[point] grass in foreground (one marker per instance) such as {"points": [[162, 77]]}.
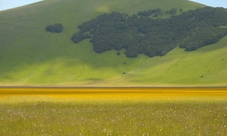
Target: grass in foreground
{"points": [[125, 119], [156, 113]]}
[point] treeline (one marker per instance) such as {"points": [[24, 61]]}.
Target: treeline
{"points": [[57, 28], [158, 12], [203, 37], [143, 34]]}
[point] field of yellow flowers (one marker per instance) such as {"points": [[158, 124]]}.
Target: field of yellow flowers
{"points": [[113, 111]]}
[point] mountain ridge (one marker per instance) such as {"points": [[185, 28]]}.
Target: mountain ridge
{"points": [[31, 56]]}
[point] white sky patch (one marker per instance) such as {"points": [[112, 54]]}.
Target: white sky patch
{"points": [[9, 4], [212, 3]]}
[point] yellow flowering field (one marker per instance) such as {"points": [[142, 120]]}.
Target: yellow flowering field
{"points": [[113, 111]]}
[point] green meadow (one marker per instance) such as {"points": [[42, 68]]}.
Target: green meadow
{"points": [[128, 119], [31, 56], [113, 111]]}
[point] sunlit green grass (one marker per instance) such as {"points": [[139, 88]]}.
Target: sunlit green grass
{"points": [[202, 67], [113, 111], [31, 56], [130, 119]]}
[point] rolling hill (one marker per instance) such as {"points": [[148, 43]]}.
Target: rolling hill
{"points": [[31, 56]]}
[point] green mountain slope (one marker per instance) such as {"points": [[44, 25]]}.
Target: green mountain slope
{"points": [[29, 55]]}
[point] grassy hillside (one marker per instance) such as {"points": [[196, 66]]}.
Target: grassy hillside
{"points": [[31, 56]]}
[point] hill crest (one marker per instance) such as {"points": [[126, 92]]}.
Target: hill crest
{"points": [[31, 56]]}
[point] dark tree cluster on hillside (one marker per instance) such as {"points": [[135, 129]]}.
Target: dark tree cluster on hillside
{"points": [[57, 28], [158, 12], [145, 34], [203, 37], [155, 13]]}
